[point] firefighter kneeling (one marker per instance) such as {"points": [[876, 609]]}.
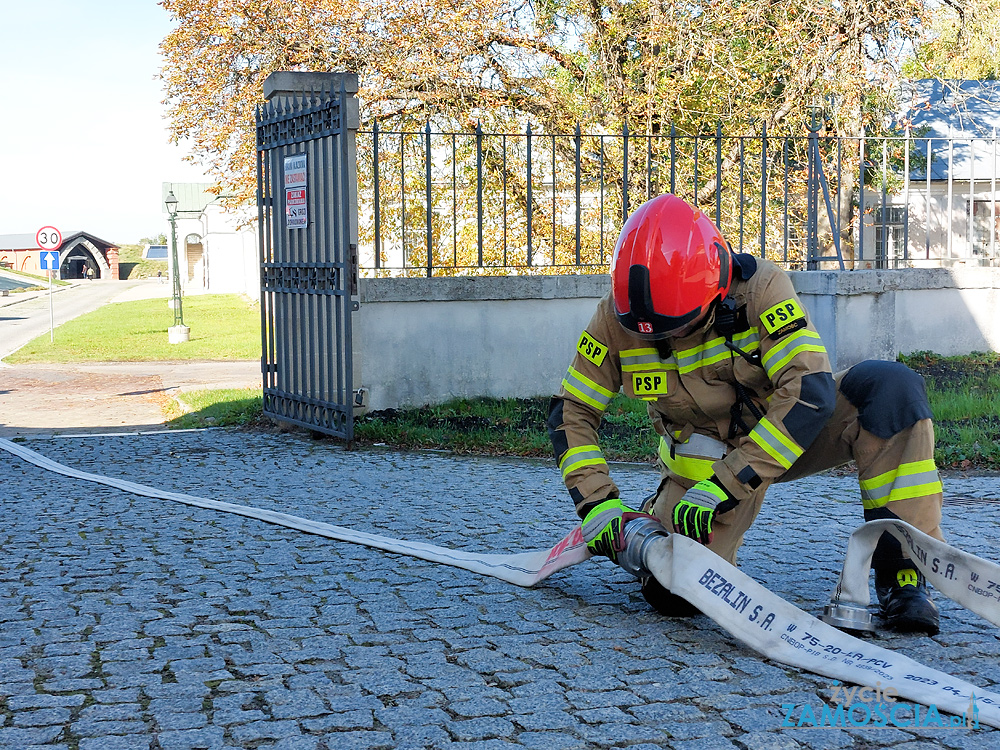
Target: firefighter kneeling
{"points": [[740, 390]]}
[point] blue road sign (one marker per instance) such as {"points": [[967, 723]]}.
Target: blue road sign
{"points": [[48, 260]]}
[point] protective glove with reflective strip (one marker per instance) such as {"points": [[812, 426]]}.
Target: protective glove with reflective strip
{"points": [[604, 527], [694, 514]]}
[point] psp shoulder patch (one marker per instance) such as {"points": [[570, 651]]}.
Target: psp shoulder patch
{"points": [[784, 318], [591, 349]]}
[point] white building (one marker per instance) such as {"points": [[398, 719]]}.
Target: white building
{"points": [[216, 246], [946, 212]]}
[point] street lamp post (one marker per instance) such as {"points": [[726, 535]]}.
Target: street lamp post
{"points": [[178, 333]]}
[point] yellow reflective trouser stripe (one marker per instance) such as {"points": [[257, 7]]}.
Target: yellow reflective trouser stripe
{"points": [[779, 446], [634, 360], [800, 341], [916, 479], [694, 469], [580, 456], [587, 390]]}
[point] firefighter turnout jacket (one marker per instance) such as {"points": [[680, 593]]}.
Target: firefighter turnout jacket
{"points": [[742, 397], [749, 398]]}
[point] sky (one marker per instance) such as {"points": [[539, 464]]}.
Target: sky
{"points": [[83, 136]]}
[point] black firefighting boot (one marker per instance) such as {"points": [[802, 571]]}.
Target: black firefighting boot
{"points": [[659, 598], [905, 602], [665, 602]]}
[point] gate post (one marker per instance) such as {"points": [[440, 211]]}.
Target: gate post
{"points": [[307, 195]]}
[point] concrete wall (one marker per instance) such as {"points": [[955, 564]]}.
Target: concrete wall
{"points": [[422, 341], [880, 314]]}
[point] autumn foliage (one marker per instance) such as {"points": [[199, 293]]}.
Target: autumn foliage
{"points": [[644, 65]]}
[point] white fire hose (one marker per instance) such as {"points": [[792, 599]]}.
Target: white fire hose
{"points": [[749, 612]]}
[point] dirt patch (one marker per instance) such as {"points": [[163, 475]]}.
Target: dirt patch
{"points": [[41, 401], [106, 397], [948, 372]]}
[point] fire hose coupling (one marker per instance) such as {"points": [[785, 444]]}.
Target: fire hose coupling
{"points": [[847, 616], [638, 535]]}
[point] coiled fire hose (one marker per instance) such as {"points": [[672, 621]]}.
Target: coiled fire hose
{"points": [[749, 612]]}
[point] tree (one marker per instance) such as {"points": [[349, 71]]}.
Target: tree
{"points": [[963, 42], [642, 64]]}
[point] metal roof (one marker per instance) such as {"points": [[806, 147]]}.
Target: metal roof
{"points": [[192, 197], [960, 120], [27, 241]]}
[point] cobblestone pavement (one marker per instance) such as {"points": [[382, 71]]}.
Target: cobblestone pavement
{"points": [[130, 623]]}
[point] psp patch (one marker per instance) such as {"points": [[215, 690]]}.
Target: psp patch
{"points": [[592, 349], [649, 385], [783, 318]]}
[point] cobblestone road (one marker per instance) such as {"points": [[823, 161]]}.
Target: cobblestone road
{"points": [[128, 623]]}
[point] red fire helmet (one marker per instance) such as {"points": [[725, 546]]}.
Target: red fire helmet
{"points": [[670, 264]]}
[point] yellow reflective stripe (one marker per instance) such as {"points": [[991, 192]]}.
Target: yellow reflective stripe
{"points": [[777, 445], [695, 469], [915, 479], [587, 390], [634, 360], [800, 341], [580, 456], [689, 360], [747, 340]]}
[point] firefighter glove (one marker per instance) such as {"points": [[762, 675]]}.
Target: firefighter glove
{"points": [[694, 514], [604, 527]]}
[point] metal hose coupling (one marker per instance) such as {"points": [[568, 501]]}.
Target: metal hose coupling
{"points": [[847, 616], [639, 533]]}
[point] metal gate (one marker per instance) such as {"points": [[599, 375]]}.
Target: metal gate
{"points": [[307, 213]]}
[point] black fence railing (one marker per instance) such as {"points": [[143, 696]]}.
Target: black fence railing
{"points": [[447, 203]]}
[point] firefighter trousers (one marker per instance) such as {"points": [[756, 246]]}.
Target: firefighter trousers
{"points": [[880, 421]]}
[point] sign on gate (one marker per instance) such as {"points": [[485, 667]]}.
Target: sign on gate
{"points": [[296, 212]]}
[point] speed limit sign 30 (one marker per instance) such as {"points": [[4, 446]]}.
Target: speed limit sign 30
{"points": [[48, 238]]}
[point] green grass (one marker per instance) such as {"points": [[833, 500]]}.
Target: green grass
{"points": [[223, 326], [512, 427], [964, 393], [234, 407], [43, 281], [131, 264]]}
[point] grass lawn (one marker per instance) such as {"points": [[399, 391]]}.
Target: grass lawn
{"points": [[232, 407], [223, 326], [131, 264]]}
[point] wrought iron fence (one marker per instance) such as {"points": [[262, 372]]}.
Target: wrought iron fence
{"points": [[447, 203]]}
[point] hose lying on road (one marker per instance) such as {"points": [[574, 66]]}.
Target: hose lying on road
{"points": [[748, 611], [771, 626], [522, 569], [966, 579]]}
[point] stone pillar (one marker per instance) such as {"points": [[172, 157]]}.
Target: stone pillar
{"points": [[112, 256]]}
